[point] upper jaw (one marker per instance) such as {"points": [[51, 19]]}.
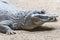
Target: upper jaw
{"points": [[45, 15], [50, 15]]}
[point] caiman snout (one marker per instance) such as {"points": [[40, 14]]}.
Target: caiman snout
{"points": [[53, 18]]}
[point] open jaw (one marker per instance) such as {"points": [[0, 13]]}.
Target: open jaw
{"points": [[48, 20], [45, 17]]}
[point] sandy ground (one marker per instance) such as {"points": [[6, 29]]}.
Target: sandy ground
{"points": [[49, 31]]}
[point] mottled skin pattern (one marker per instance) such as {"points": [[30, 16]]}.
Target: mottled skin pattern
{"points": [[12, 18]]}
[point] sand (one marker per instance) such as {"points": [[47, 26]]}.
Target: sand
{"points": [[48, 31]]}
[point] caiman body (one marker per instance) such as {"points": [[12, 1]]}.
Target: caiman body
{"points": [[12, 18]]}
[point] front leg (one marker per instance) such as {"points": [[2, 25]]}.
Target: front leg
{"points": [[5, 28]]}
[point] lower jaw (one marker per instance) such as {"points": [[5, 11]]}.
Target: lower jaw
{"points": [[39, 24]]}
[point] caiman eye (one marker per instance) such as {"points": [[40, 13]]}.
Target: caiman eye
{"points": [[41, 12]]}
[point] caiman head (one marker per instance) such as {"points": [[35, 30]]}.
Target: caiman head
{"points": [[40, 17]]}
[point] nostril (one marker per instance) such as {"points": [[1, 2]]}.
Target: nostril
{"points": [[51, 18], [55, 19]]}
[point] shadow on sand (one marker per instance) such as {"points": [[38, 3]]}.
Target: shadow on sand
{"points": [[36, 29]]}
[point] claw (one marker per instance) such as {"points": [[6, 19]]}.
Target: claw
{"points": [[10, 32]]}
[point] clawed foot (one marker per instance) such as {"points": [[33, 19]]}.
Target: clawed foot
{"points": [[10, 32]]}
